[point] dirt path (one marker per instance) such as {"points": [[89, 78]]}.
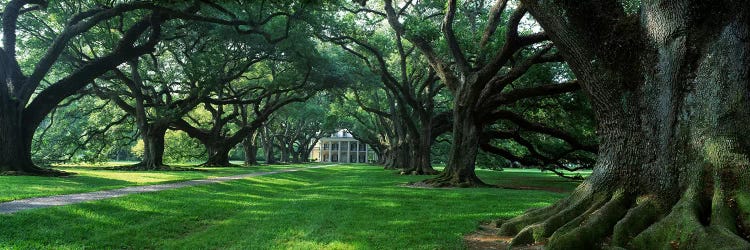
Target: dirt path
{"points": [[60, 200], [486, 237]]}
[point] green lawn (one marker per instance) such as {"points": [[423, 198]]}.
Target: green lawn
{"points": [[93, 178], [343, 207]]}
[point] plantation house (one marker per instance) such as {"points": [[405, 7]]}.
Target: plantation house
{"points": [[342, 147]]}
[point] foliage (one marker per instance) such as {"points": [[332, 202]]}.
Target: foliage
{"points": [[84, 129], [178, 148]]}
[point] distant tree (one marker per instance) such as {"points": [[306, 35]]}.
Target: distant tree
{"points": [[477, 67], [251, 102], [403, 72], [33, 86], [299, 126]]}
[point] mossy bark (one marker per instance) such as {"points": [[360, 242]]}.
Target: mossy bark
{"points": [[672, 104], [218, 154], [459, 171], [421, 159]]}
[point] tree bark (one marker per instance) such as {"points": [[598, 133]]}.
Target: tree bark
{"points": [[153, 148], [284, 152], [459, 171], [380, 153], [673, 106], [251, 149], [295, 156], [15, 143], [422, 149], [270, 158], [218, 154], [268, 147]]}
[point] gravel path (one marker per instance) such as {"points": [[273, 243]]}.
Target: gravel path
{"points": [[60, 200]]}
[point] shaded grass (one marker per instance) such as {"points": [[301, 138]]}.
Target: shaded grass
{"points": [[512, 177], [90, 178], [344, 207]]}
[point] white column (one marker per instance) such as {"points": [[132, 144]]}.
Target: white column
{"points": [[357, 152], [320, 151], [366, 154], [330, 150], [349, 147], [339, 151]]}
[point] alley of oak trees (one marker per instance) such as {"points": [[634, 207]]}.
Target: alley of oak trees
{"points": [[654, 96]]}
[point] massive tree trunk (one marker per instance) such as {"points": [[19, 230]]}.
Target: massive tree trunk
{"points": [[153, 148], [270, 158], [15, 143], [251, 149], [422, 148], [268, 150], [400, 155], [380, 154], [284, 151], [304, 156], [295, 156], [673, 104], [218, 154], [459, 171]]}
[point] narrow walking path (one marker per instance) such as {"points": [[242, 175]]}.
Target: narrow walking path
{"points": [[66, 199]]}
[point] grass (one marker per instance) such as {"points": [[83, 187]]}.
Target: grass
{"points": [[534, 178], [343, 207], [92, 178]]}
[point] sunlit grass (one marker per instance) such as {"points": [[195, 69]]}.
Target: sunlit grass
{"points": [[343, 207], [93, 178]]}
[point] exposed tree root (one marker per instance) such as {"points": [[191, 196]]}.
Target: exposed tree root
{"points": [[689, 225], [446, 180], [638, 218], [590, 228], [419, 171], [595, 219], [220, 165]]}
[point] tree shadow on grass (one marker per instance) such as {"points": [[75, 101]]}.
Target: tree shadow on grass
{"points": [[325, 208], [21, 187]]}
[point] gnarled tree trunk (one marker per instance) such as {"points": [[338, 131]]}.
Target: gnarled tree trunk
{"points": [[268, 150], [284, 151], [218, 154], [673, 104], [153, 148], [422, 148], [295, 156], [250, 149], [459, 171], [15, 142]]}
